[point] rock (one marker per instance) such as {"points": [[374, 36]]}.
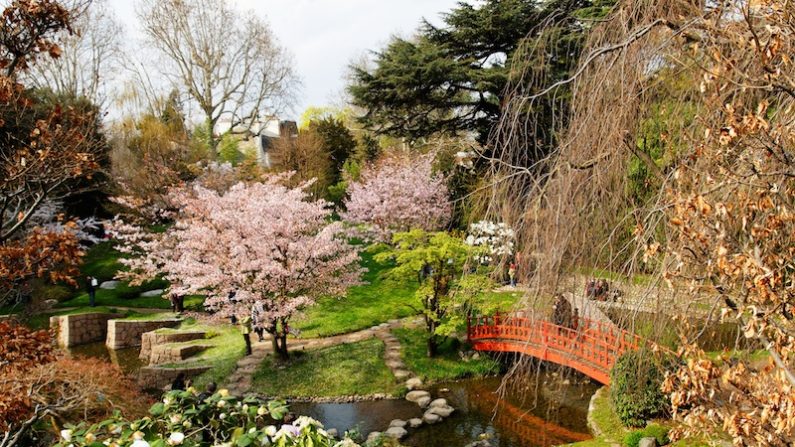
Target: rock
{"points": [[415, 422], [481, 443], [442, 411], [439, 403], [401, 374], [424, 401], [373, 436], [414, 396], [414, 383], [397, 423], [396, 432], [648, 442], [151, 293], [431, 418], [109, 284], [332, 432], [475, 356]]}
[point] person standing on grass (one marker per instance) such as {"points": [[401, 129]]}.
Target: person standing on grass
{"points": [[92, 284], [512, 274]]}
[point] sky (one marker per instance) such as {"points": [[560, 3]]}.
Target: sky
{"points": [[324, 36]]}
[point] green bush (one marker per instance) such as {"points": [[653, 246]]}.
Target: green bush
{"points": [[655, 431], [635, 387], [632, 439]]}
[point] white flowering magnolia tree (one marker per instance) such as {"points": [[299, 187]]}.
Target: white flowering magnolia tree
{"points": [[260, 242], [398, 194], [496, 238]]}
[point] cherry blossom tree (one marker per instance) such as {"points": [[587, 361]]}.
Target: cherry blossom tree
{"points": [[398, 194], [259, 242]]}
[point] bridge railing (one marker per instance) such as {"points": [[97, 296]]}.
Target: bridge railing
{"points": [[592, 342]]}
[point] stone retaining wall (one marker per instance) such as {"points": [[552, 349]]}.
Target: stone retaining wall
{"points": [[152, 377], [79, 329], [154, 338], [162, 354], [127, 333]]}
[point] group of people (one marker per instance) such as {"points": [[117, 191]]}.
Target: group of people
{"points": [[564, 314]]}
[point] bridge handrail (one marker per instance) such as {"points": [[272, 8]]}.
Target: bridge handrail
{"points": [[593, 342]]}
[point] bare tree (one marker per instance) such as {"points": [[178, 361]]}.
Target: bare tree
{"points": [[89, 57], [228, 63]]}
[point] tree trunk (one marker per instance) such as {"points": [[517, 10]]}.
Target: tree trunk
{"points": [[432, 346]]}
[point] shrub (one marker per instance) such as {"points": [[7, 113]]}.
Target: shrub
{"points": [[635, 387], [655, 431]]}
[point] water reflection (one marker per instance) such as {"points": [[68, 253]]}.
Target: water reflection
{"points": [[126, 359], [551, 413]]}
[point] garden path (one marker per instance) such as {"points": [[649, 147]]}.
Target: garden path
{"points": [[239, 382]]}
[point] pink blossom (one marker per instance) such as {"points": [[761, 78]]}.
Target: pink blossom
{"points": [[398, 194], [264, 241]]}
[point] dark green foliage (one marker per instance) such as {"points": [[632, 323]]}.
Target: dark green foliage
{"points": [[635, 387], [337, 141], [655, 431], [452, 78]]}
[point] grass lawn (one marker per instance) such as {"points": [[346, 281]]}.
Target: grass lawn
{"points": [[342, 370], [227, 348], [447, 365], [365, 306], [102, 262]]}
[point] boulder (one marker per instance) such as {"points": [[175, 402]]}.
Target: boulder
{"points": [[439, 403], [151, 293], [424, 401], [396, 432], [431, 418], [414, 396], [647, 442], [109, 284], [414, 383], [442, 411], [397, 423], [415, 422]]}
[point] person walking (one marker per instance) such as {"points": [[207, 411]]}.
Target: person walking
{"points": [[512, 274], [256, 320], [245, 329], [92, 284]]}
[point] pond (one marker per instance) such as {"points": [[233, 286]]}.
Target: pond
{"points": [[551, 412]]}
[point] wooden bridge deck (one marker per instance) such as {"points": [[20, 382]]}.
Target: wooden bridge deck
{"points": [[591, 348]]}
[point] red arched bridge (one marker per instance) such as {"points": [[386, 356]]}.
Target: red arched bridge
{"points": [[591, 347]]}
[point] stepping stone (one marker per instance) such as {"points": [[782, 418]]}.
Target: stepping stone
{"points": [[439, 403], [401, 374], [414, 383], [442, 411], [431, 418], [415, 422], [151, 293], [396, 432], [110, 285], [414, 396], [395, 364], [398, 423], [424, 401]]}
